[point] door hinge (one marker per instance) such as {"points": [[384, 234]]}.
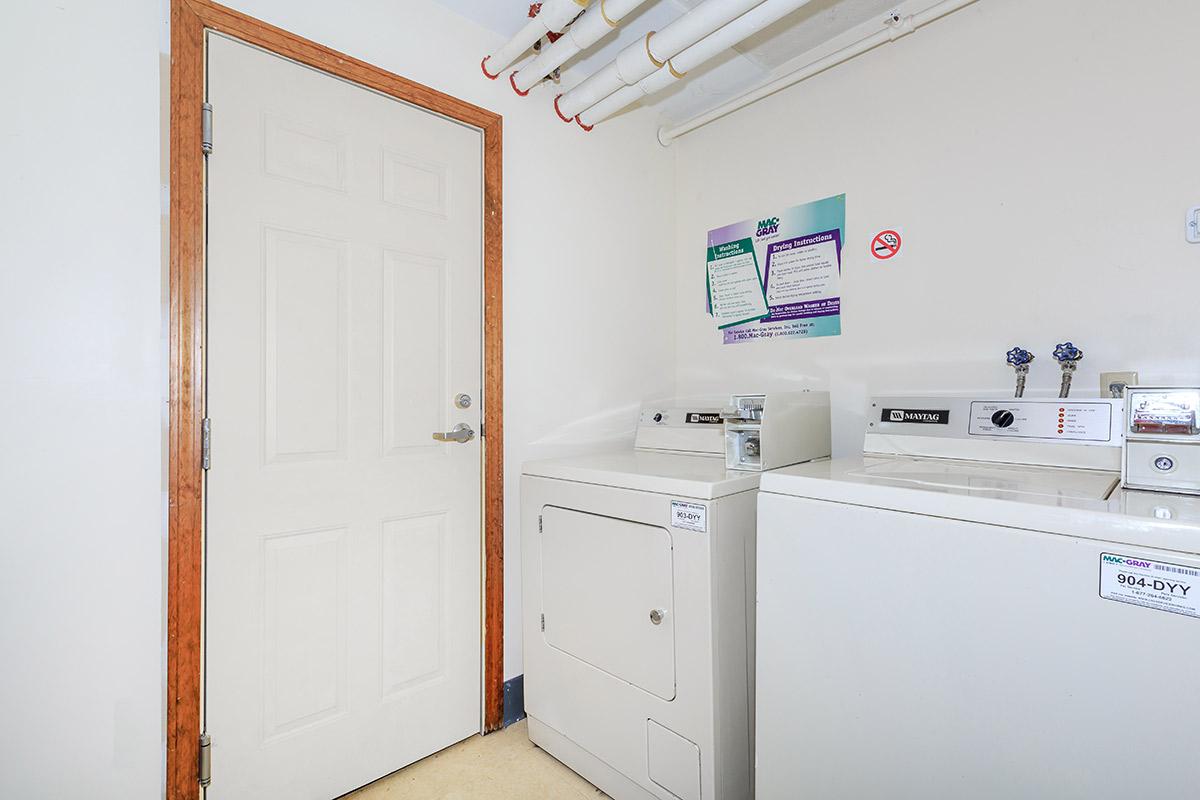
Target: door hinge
{"points": [[205, 766], [205, 443], [206, 130], [539, 523], [543, 623]]}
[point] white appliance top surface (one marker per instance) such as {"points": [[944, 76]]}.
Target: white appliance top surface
{"points": [[981, 479], [1071, 502], [702, 477]]}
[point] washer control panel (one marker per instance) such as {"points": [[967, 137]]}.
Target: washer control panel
{"points": [[1086, 433], [1064, 420]]}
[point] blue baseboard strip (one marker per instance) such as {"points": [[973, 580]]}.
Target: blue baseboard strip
{"points": [[514, 700]]}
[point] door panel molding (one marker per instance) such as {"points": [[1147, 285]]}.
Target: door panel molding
{"points": [[189, 21]]}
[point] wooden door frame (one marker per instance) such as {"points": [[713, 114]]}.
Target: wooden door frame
{"points": [[190, 19]]}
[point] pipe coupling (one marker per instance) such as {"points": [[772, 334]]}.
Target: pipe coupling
{"points": [[899, 26]]}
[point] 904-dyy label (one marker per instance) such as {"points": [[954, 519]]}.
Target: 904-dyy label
{"points": [[1158, 585]]}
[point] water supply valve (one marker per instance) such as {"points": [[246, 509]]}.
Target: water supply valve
{"points": [[1068, 357], [1020, 359]]}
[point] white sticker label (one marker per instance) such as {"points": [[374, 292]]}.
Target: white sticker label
{"points": [[689, 516], [1152, 584]]}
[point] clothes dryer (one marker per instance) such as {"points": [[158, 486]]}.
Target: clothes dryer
{"points": [[638, 573]]}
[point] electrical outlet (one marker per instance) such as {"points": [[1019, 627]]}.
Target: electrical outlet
{"points": [[1107, 379]]}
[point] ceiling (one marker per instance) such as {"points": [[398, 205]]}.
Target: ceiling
{"points": [[755, 60]]}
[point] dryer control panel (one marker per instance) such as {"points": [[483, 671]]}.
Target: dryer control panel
{"points": [[694, 429], [753, 432]]}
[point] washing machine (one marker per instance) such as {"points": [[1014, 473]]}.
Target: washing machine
{"points": [[973, 608], [638, 584]]}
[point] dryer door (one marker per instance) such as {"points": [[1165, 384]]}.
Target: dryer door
{"points": [[607, 596]]}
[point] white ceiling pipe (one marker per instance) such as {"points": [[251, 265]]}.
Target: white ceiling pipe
{"points": [[695, 25], [590, 28], [642, 58], [625, 96], [894, 30], [707, 48], [741, 28], [553, 17]]}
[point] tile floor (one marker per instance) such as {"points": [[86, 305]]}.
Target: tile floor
{"points": [[502, 766]]}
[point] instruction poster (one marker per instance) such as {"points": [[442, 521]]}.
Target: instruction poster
{"points": [[779, 277]]}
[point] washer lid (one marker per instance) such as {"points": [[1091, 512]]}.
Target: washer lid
{"points": [[999, 481], [701, 477], [1070, 502], [862, 478]]}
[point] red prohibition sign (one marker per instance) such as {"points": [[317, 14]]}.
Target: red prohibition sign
{"points": [[885, 245]]}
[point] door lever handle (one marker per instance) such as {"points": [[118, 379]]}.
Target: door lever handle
{"points": [[461, 433]]}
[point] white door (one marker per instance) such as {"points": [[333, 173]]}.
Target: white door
{"points": [[343, 541]]}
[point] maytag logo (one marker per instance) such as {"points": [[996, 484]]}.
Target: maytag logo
{"points": [[704, 418], [767, 226], [921, 416]]}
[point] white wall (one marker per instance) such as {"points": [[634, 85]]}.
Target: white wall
{"points": [[81, 526], [82, 389], [1039, 158], [1037, 155], [587, 283]]}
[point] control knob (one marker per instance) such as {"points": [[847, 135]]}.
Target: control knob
{"points": [[1003, 418]]}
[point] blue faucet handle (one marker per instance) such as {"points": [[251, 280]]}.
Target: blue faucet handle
{"points": [[1019, 356], [1067, 353]]}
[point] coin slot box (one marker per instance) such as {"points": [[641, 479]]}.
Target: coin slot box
{"points": [[767, 431], [744, 447], [1162, 440]]}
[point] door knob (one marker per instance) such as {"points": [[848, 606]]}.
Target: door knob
{"points": [[461, 433], [657, 615]]}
